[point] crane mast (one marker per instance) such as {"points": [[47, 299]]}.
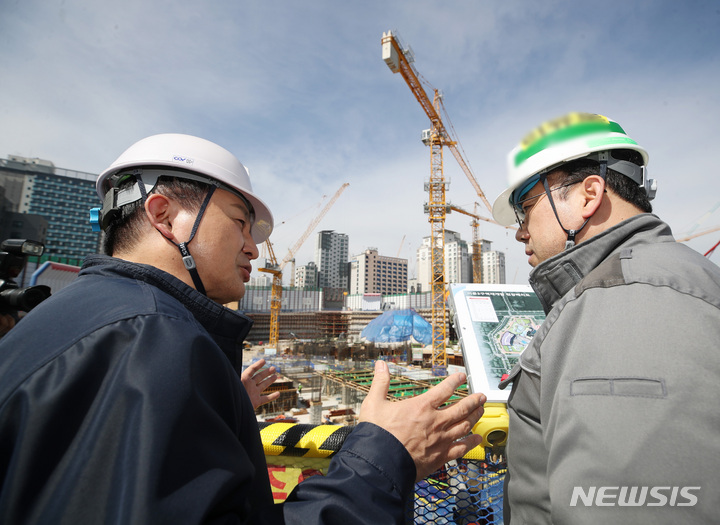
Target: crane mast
{"points": [[401, 60], [477, 247], [275, 269], [436, 189], [275, 295]]}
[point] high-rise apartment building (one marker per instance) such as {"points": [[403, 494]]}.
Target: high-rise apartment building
{"points": [[306, 276], [458, 263], [493, 263], [62, 197], [373, 273], [484, 247], [331, 259]]}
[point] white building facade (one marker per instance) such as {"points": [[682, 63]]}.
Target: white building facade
{"points": [[493, 271], [331, 259], [458, 262], [371, 273], [306, 276]]}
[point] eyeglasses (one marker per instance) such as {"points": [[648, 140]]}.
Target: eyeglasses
{"points": [[521, 212]]}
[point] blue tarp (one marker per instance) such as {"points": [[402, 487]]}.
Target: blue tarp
{"points": [[395, 326]]}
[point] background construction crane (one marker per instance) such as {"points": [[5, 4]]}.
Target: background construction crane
{"points": [[402, 242], [476, 244], [275, 269], [692, 234], [699, 234], [400, 60]]}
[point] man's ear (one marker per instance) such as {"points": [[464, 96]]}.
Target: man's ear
{"points": [[160, 212], [593, 191]]}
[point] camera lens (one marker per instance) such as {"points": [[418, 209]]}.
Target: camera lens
{"points": [[24, 299]]}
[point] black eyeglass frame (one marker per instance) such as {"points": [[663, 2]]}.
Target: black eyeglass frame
{"points": [[521, 214]]}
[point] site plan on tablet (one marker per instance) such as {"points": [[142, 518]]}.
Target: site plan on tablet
{"points": [[494, 323]]}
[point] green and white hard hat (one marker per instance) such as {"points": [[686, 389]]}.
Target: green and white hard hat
{"points": [[180, 156], [570, 137]]}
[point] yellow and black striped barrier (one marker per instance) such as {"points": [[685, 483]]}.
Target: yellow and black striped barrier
{"points": [[300, 440], [324, 441]]}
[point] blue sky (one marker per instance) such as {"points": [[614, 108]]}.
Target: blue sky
{"points": [[299, 92]]}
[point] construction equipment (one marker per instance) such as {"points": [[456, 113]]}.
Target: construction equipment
{"points": [[476, 244], [692, 234], [275, 269], [402, 242], [699, 234], [400, 60], [711, 250]]}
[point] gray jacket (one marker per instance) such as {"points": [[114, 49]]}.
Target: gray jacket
{"points": [[613, 414]]}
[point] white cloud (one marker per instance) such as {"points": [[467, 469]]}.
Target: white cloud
{"points": [[299, 92]]}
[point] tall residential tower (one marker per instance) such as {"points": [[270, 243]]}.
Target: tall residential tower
{"points": [[331, 259]]}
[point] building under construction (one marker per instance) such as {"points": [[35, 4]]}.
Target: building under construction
{"points": [[346, 380], [336, 334], [321, 314]]}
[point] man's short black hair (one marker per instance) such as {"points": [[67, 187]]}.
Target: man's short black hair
{"points": [[124, 232], [624, 187]]}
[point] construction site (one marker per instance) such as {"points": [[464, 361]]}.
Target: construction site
{"points": [[325, 364], [324, 388], [272, 327], [319, 404], [327, 345]]}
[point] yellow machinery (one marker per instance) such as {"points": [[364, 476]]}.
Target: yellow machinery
{"points": [[477, 248], [275, 269], [400, 60]]}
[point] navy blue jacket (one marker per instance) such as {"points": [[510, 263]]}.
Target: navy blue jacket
{"points": [[120, 403]]}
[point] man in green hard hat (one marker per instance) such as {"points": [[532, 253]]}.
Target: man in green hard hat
{"points": [[607, 410]]}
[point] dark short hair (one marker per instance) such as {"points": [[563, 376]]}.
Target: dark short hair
{"points": [[624, 187], [124, 232]]}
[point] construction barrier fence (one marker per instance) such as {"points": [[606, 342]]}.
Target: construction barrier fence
{"points": [[464, 492]]}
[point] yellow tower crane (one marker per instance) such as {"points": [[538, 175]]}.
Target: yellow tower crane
{"points": [[400, 60], [275, 269], [477, 248]]}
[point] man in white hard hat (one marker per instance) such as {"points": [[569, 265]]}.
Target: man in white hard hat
{"points": [[119, 399], [608, 418]]}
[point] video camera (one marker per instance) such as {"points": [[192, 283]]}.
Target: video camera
{"points": [[13, 256]]}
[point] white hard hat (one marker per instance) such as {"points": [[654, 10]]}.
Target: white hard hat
{"points": [[187, 155], [558, 141]]}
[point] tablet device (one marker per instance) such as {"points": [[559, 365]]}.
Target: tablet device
{"points": [[494, 324]]}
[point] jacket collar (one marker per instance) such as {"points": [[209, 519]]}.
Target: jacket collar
{"points": [[553, 278], [227, 327]]}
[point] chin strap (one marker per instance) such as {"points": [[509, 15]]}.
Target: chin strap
{"points": [[570, 242], [187, 258]]}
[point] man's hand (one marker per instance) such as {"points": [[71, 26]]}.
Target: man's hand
{"points": [[256, 381], [431, 436], [7, 321]]}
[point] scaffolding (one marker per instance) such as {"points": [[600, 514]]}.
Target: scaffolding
{"points": [[319, 325]]}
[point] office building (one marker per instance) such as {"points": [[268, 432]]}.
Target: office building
{"points": [[62, 197], [373, 273]]}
